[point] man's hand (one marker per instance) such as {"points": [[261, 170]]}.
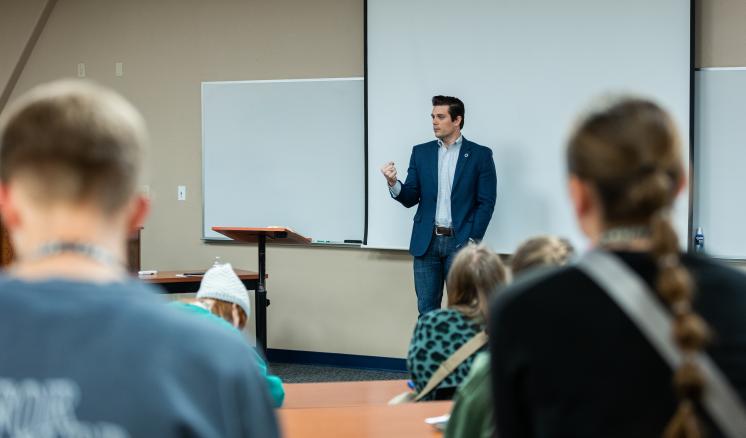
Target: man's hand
{"points": [[389, 171]]}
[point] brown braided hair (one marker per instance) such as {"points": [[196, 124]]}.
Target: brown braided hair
{"points": [[629, 153]]}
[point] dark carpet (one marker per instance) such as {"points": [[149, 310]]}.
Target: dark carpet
{"points": [[298, 373]]}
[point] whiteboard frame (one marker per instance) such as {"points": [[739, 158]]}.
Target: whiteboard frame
{"points": [[219, 239]]}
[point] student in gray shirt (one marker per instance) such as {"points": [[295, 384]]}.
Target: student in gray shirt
{"points": [[84, 352]]}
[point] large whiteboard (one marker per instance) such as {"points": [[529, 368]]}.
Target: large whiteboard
{"points": [[284, 153], [720, 157], [525, 69]]}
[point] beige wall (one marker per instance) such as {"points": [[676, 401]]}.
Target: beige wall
{"points": [[17, 20], [323, 299], [720, 34]]}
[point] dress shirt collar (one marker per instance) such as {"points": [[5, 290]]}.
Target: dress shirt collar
{"points": [[456, 143]]}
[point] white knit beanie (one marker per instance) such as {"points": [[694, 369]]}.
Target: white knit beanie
{"points": [[221, 282]]}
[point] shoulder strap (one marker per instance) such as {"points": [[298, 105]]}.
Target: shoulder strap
{"points": [[450, 364], [635, 298]]}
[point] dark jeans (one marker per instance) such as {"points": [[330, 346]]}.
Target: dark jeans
{"points": [[431, 271]]}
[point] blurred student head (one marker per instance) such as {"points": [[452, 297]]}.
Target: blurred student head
{"points": [[71, 158], [474, 276], [541, 251], [625, 166]]}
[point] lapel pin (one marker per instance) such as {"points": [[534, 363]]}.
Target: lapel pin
{"points": [[466, 155]]}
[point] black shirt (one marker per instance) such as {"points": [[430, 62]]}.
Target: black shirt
{"points": [[567, 361]]}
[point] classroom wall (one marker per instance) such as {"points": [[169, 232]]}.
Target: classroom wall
{"points": [[17, 20], [323, 299], [720, 34]]}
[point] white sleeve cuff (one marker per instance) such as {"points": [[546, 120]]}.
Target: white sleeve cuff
{"points": [[395, 190]]}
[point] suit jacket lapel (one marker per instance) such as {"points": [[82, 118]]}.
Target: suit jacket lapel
{"points": [[433, 165], [463, 156]]}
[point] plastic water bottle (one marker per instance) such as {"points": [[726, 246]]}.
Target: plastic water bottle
{"points": [[699, 240]]}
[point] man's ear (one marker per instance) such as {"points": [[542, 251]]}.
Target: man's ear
{"points": [[8, 208], [139, 209]]}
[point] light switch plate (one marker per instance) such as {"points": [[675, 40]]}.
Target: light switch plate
{"points": [[181, 193]]}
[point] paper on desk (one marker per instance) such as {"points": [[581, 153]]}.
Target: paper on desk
{"points": [[438, 422]]}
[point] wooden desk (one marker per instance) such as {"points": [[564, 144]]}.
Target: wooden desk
{"points": [[406, 420], [341, 394], [174, 284]]}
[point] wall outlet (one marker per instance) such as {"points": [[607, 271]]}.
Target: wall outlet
{"points": [[181, 193], [81, 70], [119, 69]]}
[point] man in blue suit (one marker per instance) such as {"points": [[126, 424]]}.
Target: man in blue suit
{"points": [[453, 182]]}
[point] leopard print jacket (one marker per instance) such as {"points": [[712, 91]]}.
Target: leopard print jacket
{"points": [[437, 335]]}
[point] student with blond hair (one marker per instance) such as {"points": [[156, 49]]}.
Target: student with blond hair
{"points": [[636, 339], [86, 349], [475, 275]]}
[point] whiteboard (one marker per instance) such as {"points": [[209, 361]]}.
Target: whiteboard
{"points": [[525, 69], [284, 153], [720, 156]]}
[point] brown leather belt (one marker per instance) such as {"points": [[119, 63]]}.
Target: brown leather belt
{"points": [[443, 231]]}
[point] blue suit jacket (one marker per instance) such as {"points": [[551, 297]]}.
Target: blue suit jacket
{"points": [[473, 193]]}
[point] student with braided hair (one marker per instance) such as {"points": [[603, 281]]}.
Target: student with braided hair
{"points": [[566, 358]]}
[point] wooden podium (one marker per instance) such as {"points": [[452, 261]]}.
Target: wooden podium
{"points": [[262, 236]]}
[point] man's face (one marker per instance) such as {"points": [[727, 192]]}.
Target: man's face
{"points": [[443, 125]]}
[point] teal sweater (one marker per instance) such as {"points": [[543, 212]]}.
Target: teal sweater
{"points": [[274, 384]]}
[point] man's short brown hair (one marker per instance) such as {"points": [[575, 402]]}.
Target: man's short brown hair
{"points": [[73, 141]]}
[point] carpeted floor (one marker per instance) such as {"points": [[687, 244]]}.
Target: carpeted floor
{"points": [[297, 373]]}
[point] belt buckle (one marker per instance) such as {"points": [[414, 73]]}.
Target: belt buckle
{"points": [[442, 234]]}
